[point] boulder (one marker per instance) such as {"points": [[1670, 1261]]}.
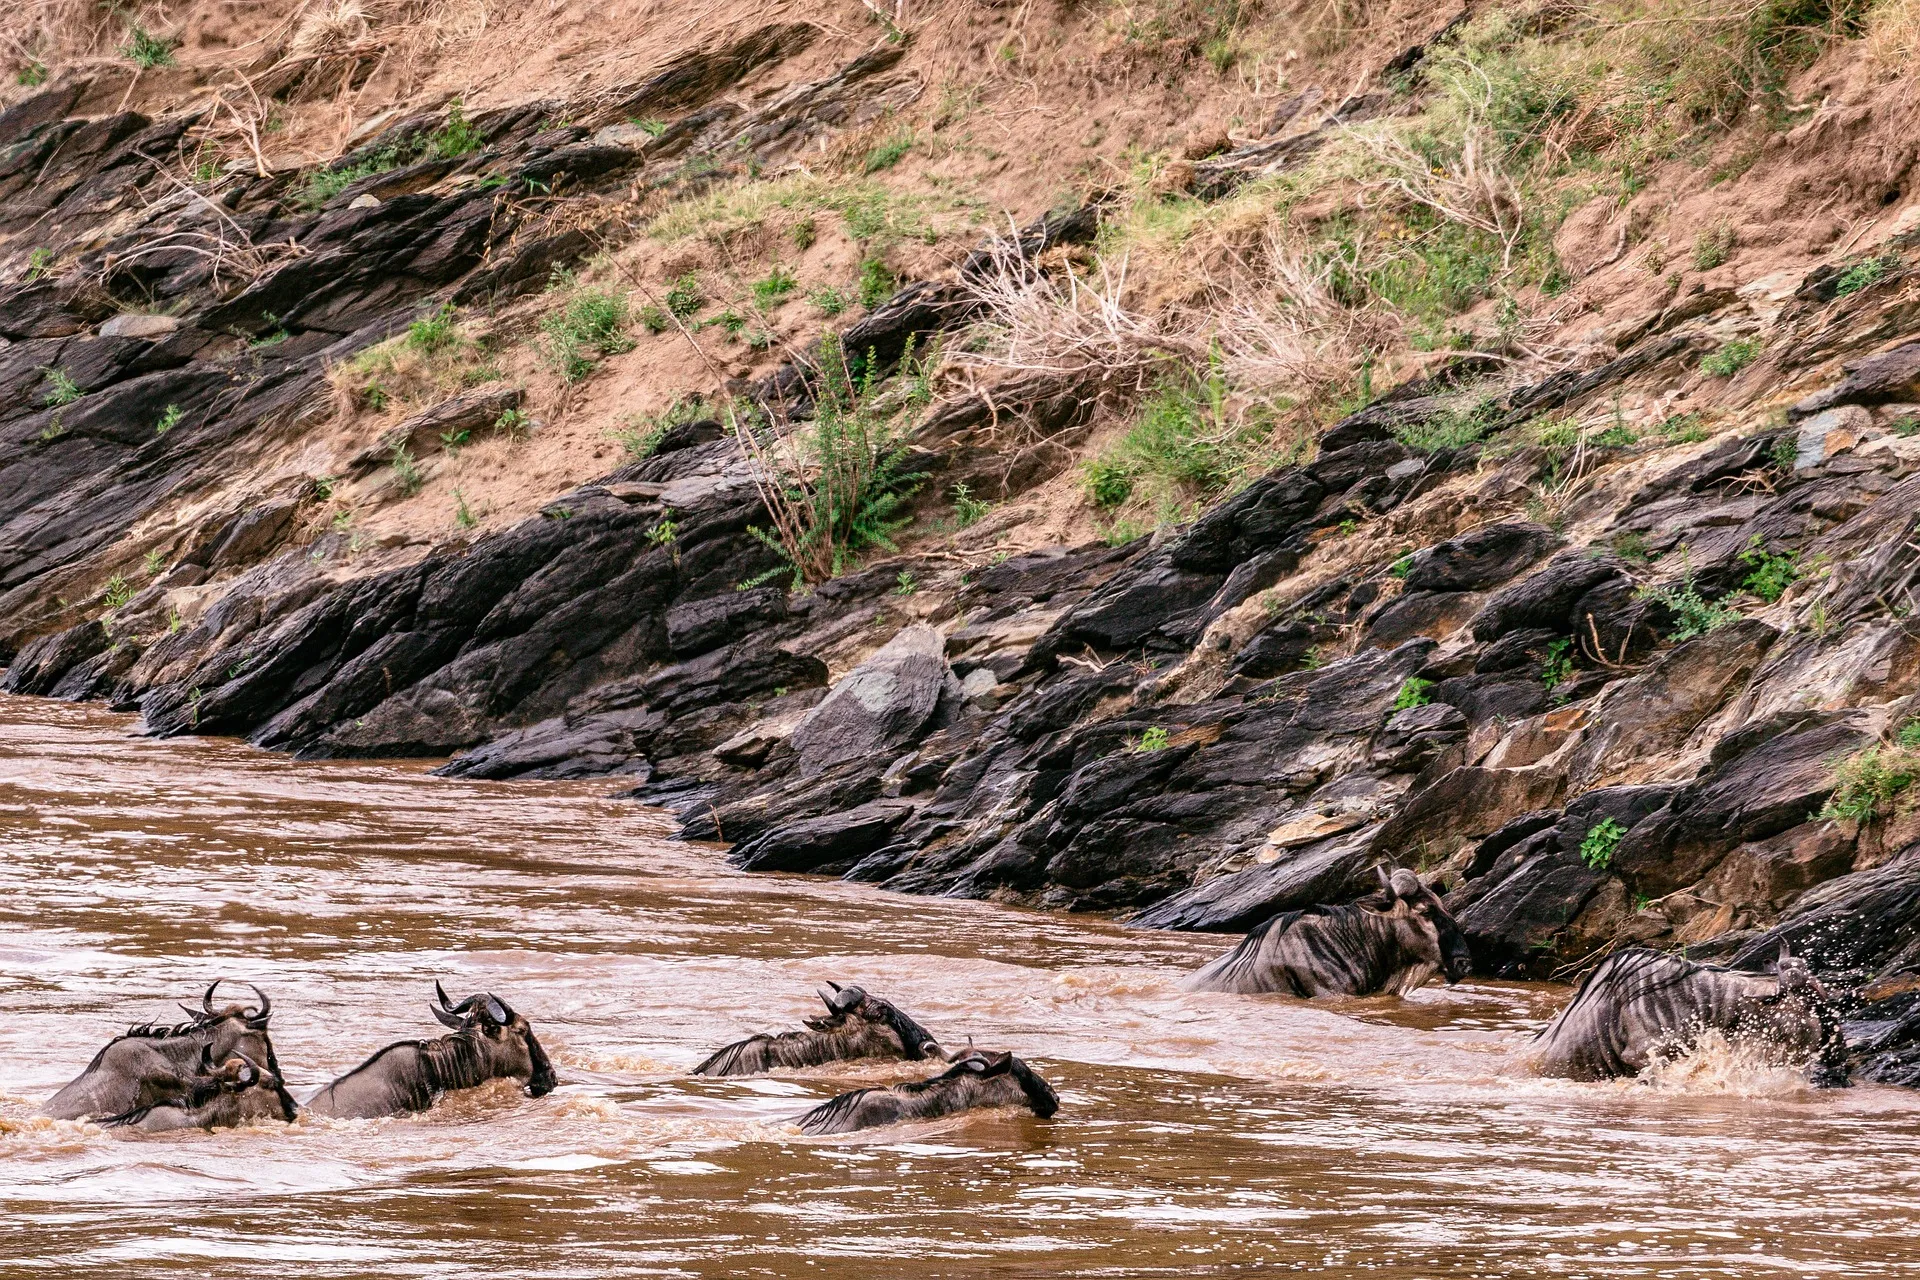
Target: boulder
{"points": [[814, 844], [883, 705], [1546, 599], [1879, 379], [695, 626], [1333, 870]]}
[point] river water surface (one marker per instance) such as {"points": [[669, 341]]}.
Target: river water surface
{"points": [[1199, 1135]]}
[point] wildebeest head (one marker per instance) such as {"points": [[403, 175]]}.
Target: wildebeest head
{"points": [[987, 1063], [1425, 927], [849, 1005], [1801, 996], [219, 1096], [504, 1036]]}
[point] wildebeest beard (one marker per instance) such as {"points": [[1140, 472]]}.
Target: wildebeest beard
{"points": [[1392, 941], [489, 1042], [151, 1063], [856, 1025], [1640, 1004], [977, 1078]]}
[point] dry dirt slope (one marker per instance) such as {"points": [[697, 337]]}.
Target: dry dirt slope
{"points": [[1482, 440]]}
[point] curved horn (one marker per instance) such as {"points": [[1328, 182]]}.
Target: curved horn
{"points": [[441, 991], [448, 1018], [1386, 881], [206, 1001], [266, 1007], [1786, 953]]}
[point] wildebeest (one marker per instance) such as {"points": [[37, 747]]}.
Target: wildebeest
{"points": [[857, 1025], [489, 1042], [233, 1093], [1640, 1004], [977, 1078], [151, 1064], [1392, 940]]}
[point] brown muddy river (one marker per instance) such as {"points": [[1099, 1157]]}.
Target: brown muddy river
{"points": [[1199, 1135]]}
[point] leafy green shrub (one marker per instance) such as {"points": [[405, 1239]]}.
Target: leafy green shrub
{"points": [[1153, 738], [642, 433], [39, 263], [462, 513], [324, 184], [33, 75], [1402, 567], [1413, 693], [590, 324], [1731, 358], [117, 592], [1869, 783], [1693, 614], [652, 128], [905, 584], [146, 50], [830, 300], [169, 419], [1909, 734], [1602, 838], [839, 489], [1772, 574], [1865, 274]]}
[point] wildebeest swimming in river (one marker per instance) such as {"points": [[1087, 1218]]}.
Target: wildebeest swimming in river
{"points": [[233, 1093], [151, 1064], [857, 1025], [1392, 941], [489, 1042], [977, 1078], [1640, 1004]]}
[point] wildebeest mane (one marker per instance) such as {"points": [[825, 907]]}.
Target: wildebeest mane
{"points": [[828, 1115]]}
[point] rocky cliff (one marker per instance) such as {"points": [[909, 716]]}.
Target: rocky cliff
{"points": [[1591, 598]]}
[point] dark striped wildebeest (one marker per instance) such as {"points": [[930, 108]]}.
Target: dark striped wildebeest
{"points": [[977, 1078], [489, 1042], [857, 1025], [1392, 941], [1640, 1005], [152, 1063], [238, 1091]]}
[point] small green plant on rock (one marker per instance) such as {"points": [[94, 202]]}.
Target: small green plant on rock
{"points": [[1693, 614], [1413, 693], [1153, 738], [31, 76], [1602, 838], [457, 137], [117, 592], [39, 263], [462, 513], [1557, 669], [1865, 274], [1772, 573], [434, 333], [1870, 783], [61, 388], [905, 584], [1731, 358], [829, 300], [169, 419]]}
